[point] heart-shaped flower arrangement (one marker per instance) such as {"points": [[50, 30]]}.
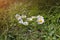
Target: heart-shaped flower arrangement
{"points": [[38, 19]]}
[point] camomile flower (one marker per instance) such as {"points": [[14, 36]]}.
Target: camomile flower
{"points": [[25, 23], [40, 20], [18, 17], [33, 17], [40, 16], [21, 21], [29, 19], [23, 16]]}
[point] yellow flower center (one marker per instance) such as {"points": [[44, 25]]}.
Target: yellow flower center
{"points": [[40, 20]]}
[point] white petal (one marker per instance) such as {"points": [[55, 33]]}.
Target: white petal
{"points": [[33, 17], [23, 16], [40, 16], [29, 19], [17, 15], [19, 18], [21, 21], [25, 23]]}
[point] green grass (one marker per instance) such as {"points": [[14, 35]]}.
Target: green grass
{"points": [[10, 29]]}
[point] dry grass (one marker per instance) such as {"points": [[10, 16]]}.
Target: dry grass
{"points": [[5, 3]]}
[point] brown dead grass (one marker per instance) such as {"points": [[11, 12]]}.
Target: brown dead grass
{"points": [[6, 3]]}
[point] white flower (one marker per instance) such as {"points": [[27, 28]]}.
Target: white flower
{"points": [[29, 19], [23, 16], [40, 20], [25, 23], [21, 21], [18, 17], [33, 17], [40, 16]]}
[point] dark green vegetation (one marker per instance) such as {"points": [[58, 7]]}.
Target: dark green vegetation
{"points": [[10, 29]]}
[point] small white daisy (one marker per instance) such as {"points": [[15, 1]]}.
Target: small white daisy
{"points": [[33, 17], [40, 20], [29, 19], [21, 21], [23, 16], [40, 16], [25, 23], [18, 17]]}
